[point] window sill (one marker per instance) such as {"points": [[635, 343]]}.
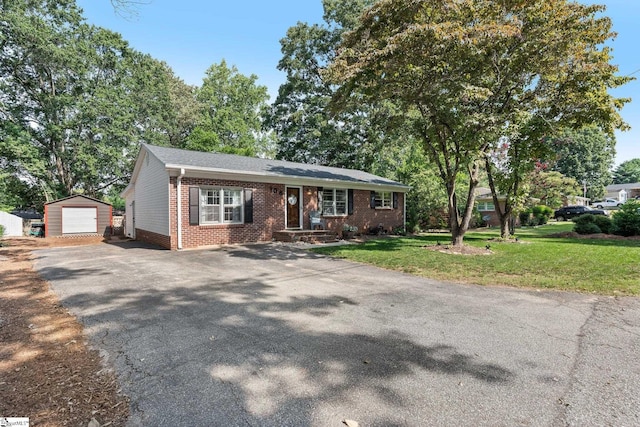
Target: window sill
{"points": [[384, 208], [223, 225], [335, 216]]}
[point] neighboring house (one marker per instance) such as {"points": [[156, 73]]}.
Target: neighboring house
{"points": [[486, 206], [77, 215], [182, 199], [29, 217], [575, 201], [623, 192], [12, 224]]}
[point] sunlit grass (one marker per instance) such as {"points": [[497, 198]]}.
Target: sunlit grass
{"points": [[537, 261]]}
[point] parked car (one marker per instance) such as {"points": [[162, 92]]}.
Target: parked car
{"points": [[570, 212], [607, 203]]}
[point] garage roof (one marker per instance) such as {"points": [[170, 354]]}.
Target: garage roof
{"points": [[78, 195]]}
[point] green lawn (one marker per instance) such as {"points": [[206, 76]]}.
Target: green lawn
{"points": [[601, 266]]}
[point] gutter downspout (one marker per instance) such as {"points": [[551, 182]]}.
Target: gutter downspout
{"points": [[179, 207]]}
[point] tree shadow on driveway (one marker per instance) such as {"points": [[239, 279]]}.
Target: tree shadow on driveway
{"points": [[240, 352]]}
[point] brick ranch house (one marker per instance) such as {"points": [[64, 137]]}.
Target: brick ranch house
{"points": [[181, 199]]}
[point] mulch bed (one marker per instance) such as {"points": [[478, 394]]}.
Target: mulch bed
{"points": [[47, 372]]}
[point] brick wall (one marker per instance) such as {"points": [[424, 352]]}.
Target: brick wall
{"points": [[268, 215], [366, 218], [153, 238]]}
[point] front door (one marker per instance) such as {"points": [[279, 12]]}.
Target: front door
{"points": [[293, 207]]}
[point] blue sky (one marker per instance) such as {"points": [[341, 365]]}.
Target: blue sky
{"points": [[193, 34]]}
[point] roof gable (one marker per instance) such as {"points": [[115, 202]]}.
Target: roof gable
{"points": [[76, 196]]}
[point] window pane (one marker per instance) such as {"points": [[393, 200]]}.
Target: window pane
{"points": [[327, 207], [341, 195], [237, 213], [341, 208], [209, 214], [327, 202], [383, 199], [228, 213]]}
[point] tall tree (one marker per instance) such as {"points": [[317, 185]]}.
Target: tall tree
{"points": [[586, 155], [507, 167], [551, 188], [627, 172], [75, 99], [476, 71], [305, 129], [232, 105]]}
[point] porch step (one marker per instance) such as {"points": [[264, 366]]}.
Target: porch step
{"points": [[307, 236]]}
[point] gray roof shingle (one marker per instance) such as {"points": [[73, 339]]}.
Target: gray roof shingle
{"points": [[229, 162], [618, 187]]}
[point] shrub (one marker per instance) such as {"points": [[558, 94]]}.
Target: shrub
{"points": [[604, 223], [587, 228], [1, 231], [524, 217], [592, 224], [542, 213], [626, 222]]}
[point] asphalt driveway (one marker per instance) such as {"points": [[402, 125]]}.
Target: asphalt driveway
{"points": [[266, 335]]}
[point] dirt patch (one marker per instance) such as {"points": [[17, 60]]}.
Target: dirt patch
{"points": [[47, 372], [459, 249]]}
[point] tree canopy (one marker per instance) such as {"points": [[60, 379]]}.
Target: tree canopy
{"points": [[472, 72], [231, 105], [586, 155], [627, 172], [300, 118], [76, 99]]}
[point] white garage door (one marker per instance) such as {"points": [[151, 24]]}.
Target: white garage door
{"points": [[79, 220]]}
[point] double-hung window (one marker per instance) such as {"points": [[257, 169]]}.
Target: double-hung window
{"points": [[383, 200], [221, 206], [334, 201], [486, 206]]}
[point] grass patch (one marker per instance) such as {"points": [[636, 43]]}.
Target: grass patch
{"points": [[600, 266]]}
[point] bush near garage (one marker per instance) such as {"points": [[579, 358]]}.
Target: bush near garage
{"points": [[626, 222], [592, 224]]}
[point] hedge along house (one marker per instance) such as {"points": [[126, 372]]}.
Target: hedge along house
{"points": [[182, 199], [77, 215]]}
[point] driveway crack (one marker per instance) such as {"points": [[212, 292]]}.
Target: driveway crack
{"points": [[565, 404]]}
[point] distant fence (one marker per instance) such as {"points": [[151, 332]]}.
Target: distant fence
{"points": [[117, 226]]}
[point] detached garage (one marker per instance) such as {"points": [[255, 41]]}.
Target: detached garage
{"points": [[77, 215]]}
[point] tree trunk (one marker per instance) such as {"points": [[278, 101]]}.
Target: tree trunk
{"points": [[460, 225], [505, 229]]}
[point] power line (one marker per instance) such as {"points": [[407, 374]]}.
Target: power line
{"points": [[629, 75]]}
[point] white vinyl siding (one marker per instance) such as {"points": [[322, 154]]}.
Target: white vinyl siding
{"points": [[334, 201], [221, 206], [12, 224], [152, 197]]}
